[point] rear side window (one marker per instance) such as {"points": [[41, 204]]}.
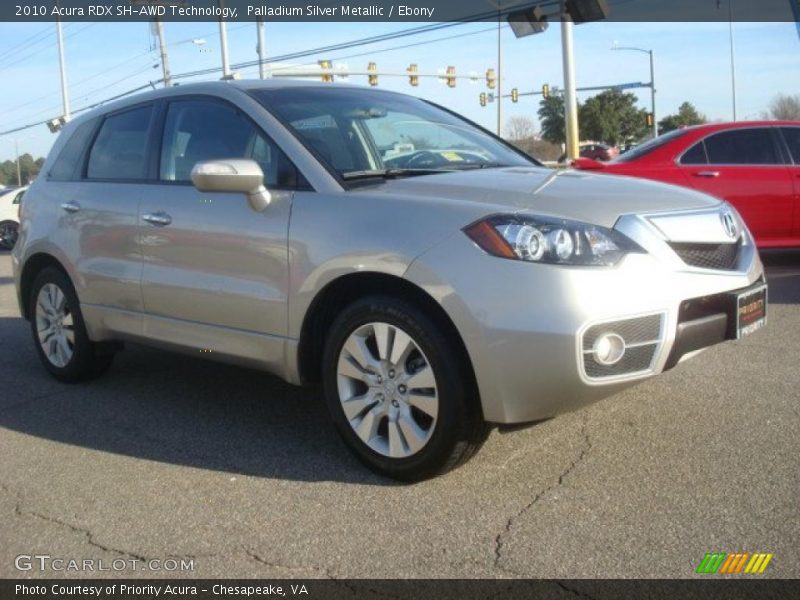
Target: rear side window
{"points": [[696, 155], [792, 137], [119, 151], [18, 198], [67, 166], [199, 130], [742, 147]]}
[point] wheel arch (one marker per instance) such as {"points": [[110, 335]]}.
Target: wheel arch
{"points": [[34, 265], [340, 292]]}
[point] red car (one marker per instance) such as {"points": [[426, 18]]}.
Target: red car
{"points": [[753, 165]]}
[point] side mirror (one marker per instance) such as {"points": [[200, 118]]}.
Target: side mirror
{"points": [[236, 175], [587, 164]]}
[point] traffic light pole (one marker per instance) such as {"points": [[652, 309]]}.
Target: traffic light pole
{"points": [[570, 93]]}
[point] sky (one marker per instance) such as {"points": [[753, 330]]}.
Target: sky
{"points": [[692, 63]]}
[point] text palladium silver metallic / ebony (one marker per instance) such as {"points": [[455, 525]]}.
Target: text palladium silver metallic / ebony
{"points": [[432, 277]]}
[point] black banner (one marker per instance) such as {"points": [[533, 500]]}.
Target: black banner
{"points": [[444, 589], [399, 10]]}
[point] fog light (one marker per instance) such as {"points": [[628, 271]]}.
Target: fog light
{"points": [[608, 349]]}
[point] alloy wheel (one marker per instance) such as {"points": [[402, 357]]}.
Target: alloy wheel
{"points": [[55, 325], [387, 389]]}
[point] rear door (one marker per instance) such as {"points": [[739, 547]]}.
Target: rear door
{"points": [[791, 136], [100, 193], [746, 168]]}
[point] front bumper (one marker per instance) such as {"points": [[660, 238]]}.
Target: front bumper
{"points": [[524, 324]]}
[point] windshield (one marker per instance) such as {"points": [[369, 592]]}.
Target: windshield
{"points": [[649, 146], [369, 132]]}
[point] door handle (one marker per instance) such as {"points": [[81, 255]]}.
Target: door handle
{"points": [[160, 219], [70, 207], [710, 174]]}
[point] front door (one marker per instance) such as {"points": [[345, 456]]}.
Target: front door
{"points": [[215, 273]]}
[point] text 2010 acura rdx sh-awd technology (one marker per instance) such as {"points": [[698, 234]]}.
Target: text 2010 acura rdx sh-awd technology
{"points": [[433, 278]]}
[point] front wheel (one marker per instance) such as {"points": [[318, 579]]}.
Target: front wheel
{"points": [[399, 390], [58, 330]]}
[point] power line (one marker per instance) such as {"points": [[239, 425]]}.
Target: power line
{"points": [[290, 56]]}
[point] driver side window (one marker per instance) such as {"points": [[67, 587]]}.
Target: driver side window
{"points": [[200, 130]]}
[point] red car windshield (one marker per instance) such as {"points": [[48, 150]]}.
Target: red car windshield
{"points": [[649, 146]]}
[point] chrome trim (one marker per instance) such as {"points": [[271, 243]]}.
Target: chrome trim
{"points": [[655, 362]]}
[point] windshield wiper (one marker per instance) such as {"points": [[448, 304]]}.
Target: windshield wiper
{"points": [[390, 173]]}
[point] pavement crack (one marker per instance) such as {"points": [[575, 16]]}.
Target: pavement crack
{"points": [[572, 591], [499, 540], [274, 565], [90, 538]]}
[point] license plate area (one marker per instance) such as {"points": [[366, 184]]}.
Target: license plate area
{"points": [[751, 311]]}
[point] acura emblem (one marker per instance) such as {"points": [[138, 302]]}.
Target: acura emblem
{"points": [[729, 224]]}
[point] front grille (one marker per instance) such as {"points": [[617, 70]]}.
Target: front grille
{"points": [[720, 257], [642, 336]]}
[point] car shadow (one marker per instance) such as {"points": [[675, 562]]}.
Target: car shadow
{"points": [[177, 409], [783, 275]]}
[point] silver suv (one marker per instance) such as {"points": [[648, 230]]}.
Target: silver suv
{"points": [[434, 279]]}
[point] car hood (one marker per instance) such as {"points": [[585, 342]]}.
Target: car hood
{"points": [[579, 195]]}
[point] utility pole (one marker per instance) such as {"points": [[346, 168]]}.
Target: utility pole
{"points": [[223, 42], [63, 67], [499, 75], [570, 93], [653, 94], [262, 49], [164, 57], [733, 55], [19, 173]]}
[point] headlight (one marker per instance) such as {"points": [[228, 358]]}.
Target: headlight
{"points": [[551, 241]]}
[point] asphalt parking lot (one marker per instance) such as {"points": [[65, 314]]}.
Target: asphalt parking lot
{"points": [[173, 456]]}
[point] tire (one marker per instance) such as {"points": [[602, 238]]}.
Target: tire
{"points": [[53, 306], [8, 234], [414, 404]]}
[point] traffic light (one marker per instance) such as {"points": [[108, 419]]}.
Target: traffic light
{"points": [[648, 118], [483, 98], [546, 91], [413, 78], [372, 69], [515, 95], [491, 79], [451, 77], [326, 66]]}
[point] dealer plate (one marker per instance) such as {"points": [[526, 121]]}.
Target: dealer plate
{"points": [[751, 311]]}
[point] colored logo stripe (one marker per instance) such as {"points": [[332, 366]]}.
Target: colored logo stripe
{"points": [[734, 563], [758, 563], [711, 562]]}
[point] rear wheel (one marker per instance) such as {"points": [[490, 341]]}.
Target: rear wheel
{"points": [[59, 333], [9, 230], [397, 391]]}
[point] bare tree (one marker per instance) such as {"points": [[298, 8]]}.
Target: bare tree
{"points": [[520, 128], [784, 108]]}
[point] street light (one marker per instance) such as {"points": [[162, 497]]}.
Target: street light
{"points": [[652, 81]]}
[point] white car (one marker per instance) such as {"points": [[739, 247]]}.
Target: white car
{"points": [[9, 215]]}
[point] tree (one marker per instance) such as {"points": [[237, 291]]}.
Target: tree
{"points": [[521, 131], [551, 117], [687, 116], [612, 117], [520, 128], [29, 169], [784, 108]]}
